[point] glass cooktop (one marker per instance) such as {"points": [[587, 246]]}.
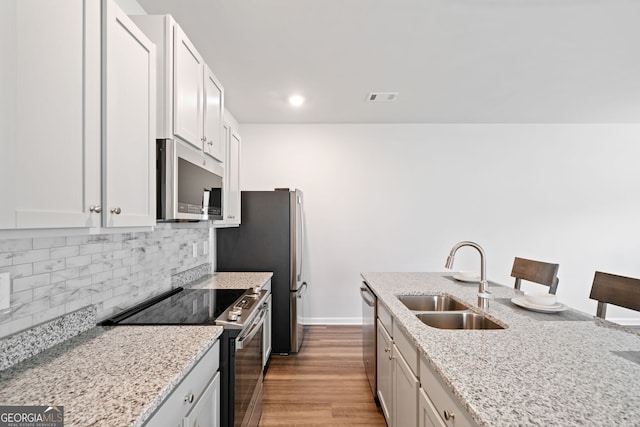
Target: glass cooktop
{"points": [[186, 307]]}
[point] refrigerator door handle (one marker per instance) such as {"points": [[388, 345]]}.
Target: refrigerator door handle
{"points": [[302, 234], [302, 290]]}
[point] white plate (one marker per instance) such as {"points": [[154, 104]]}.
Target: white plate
{"points": [[554, 308], [466, 279]]}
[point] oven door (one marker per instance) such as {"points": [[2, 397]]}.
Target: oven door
{"points": [[248, 374]]}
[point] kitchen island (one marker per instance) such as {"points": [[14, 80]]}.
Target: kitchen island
{"points": [[556, 369]]}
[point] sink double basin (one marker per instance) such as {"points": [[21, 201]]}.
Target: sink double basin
{"points": [[444, 312]]}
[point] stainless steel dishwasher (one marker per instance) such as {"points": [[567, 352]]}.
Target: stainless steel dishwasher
{"points": [[369, 314]]}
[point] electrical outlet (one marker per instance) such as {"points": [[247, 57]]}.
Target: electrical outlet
{"points": [[195, 250], [5, 290], [205, 247]]}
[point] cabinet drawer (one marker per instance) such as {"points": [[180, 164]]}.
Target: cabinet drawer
{"points": [[385, 318], [181, 400], [442, 398], [407, 348]]}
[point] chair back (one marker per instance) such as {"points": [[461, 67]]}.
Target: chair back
{"points": [[617, 290], [540, 272]]}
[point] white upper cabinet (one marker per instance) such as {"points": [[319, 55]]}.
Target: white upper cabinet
{"points": [[233, 179], [231, 207], [213, 136], [51, 161], [188, 105], [190, 98], [129, 91], [83, 117]]}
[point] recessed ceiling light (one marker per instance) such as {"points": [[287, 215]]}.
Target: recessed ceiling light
{"points": [[296, 100]]}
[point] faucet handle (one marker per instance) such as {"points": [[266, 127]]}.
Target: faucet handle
{"points": [[486, 295]]}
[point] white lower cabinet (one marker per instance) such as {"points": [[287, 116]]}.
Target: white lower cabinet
{"points": [[410, 393], [206, 411], [438, 406], [196, 400], [385, 372], [397, 382], [405, 396], [427, 413]]}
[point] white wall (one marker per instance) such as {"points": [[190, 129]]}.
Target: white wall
{"points": [[397, 197]]}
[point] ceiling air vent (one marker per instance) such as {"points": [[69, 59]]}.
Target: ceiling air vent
{"points": [[382, 96]]}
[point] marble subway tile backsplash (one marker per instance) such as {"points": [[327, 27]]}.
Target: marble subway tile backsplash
{"points": [[54, 276]]}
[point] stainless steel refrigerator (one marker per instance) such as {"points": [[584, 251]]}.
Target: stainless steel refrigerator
{"points": [[271, 238]]}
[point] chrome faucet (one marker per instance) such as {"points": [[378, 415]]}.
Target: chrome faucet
{"points": [[483, 288]]}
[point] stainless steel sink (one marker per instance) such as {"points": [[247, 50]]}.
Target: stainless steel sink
{"points": [[431, 303], [460, 320]]}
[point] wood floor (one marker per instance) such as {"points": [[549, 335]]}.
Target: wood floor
{"points": [[323, 385]]}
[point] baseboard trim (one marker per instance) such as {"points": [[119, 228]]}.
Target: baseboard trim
{"points": [[332, 321]]}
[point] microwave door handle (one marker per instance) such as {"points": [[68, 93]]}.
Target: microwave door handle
{"points": [[251, 332]]}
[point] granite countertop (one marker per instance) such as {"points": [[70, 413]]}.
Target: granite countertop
{"points": [[231, 281], [117, 376], [114, 376], [544, 369]]}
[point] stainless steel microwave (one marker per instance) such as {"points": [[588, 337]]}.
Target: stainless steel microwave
{"points": [[189, 184]]}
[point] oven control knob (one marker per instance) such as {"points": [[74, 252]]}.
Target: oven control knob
{"points": [[234, 313], [257, 289]]}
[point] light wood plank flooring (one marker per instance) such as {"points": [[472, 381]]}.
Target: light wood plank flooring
{"points": [[323, 385]]}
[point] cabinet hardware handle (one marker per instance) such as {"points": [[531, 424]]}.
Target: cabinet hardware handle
{"points": [[386, 349], [449, 415], [391, 357], [116, 210], [189, 398], [95, 208], [210, 142]]}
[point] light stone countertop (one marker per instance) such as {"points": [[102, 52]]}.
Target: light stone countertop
{"points": [[114, 376], [541, 370], [232, 280], [117, 376]]}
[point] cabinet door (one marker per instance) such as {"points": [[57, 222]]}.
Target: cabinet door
{"points": [[187, 97], [385, 373], [213, 137], [128, 122], [405, 392], [427, 413], [233, 179], [50, 160], [206, 411]]}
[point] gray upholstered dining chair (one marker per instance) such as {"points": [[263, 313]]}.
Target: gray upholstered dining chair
{"points": [[543, 273], [617, 290]]}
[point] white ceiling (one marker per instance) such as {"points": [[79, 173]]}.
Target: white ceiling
{"points": [[452, 61]]}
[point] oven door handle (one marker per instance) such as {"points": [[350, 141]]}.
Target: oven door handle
{"points": [[252, 331]]}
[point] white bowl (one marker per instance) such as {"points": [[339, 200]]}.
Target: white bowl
{"points": [[469, 274], [540, 298]]}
